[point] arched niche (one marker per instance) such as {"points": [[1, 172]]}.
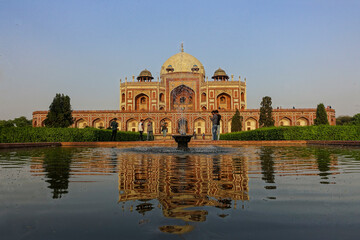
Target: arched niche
{"points": [[285, 122], [182, 98], [242, 96], [132, 125], [250, 124], [203, 97], [161, 97], [224, 101], [302, 122], [98, 123], [199, 125], [81, 123], [141, 102], [168, 124], [146, 121]]}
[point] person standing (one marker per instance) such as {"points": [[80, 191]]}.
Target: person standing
{"points": [[214, 120], [164, 129], [114, 127], [141, 129], [218, 124], [150, 135]]}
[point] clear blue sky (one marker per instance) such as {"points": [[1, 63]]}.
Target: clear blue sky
{"points": [[300, 53]]}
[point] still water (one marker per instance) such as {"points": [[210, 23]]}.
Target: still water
{"points": [[249, 192]]}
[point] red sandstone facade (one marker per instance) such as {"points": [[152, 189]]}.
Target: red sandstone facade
{"points": [[183, 92]]}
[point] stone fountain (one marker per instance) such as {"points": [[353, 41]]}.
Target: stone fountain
{"points": [[182, 139]]}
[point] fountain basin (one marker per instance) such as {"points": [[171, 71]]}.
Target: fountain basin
{"points": [[182, 141]]}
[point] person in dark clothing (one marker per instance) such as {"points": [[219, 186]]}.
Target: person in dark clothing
{"points": [[215, 122], [114, 127], [150, 134], [218, 124], [141, 129]]}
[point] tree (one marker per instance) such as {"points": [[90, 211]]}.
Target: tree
{"points": [[266, 119], [356, 119], [236, 122], [22, 122], [60, 113], [321, 115], [17, 122], [344, 120]]}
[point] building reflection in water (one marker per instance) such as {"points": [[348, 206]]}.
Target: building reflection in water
{"points": [[181, 183]]}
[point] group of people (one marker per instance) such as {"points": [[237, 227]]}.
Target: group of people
{"points": [[215, 119], [150, 130]]}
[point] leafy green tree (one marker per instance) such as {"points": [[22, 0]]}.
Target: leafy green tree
{"points": [[356, 119], [60, 113], [22, 122], [236, 122], [321, 115], [266, 118], [17, 122], [344, 120], [6, 123]]}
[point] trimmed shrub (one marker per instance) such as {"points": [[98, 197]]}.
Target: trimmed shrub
{"points": [[29, 134], [321, 132]]}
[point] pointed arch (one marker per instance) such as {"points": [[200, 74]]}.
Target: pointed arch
{"points": [[223, 101], [146, 121], [98, 123], [200, 125], [250, 124], [182, 97], [168, 124], [302, 121], [81, 123], [285, 121], [161, 97], [132, 125], [203, 97], [142, 102]]}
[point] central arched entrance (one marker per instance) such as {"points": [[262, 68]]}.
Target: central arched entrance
{"points": [[182, 98]]}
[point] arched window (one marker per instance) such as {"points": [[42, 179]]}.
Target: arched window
{"points": [[203, 97], [161, 97], [123, 97]]}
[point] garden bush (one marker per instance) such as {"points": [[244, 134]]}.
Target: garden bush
{"points": [[321, 132], [30, 134]]}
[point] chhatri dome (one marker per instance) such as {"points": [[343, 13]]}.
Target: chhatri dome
{"points": [[182, 62]]}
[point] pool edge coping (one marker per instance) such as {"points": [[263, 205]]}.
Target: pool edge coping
{"points": [[172, 143]]}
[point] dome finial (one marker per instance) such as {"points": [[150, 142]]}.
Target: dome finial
{"points": [[182, 47]]}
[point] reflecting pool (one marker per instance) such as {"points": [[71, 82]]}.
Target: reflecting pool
{"points": [[248, 192]]}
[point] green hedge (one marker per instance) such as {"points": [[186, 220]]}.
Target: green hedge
{"points": [[43, 134], [322, 132]]}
